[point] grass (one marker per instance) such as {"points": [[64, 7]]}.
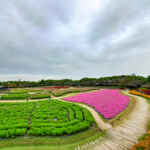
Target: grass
{"points": [[24, 94], [52, 143], [63, 92]]}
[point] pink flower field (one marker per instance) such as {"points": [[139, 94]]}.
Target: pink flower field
{"points": [[108, 103]]}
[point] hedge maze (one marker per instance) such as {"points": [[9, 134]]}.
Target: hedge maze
{"points": [[43, 118]]}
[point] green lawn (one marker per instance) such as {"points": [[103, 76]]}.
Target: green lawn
{"points": [[39, 148], [52, 143]]}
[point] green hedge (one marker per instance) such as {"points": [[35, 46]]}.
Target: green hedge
{"points": [[14, 97], [23, 96], [67, 91], [53, 118], [40, 96]]}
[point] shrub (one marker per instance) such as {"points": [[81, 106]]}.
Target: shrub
{"points": [[39, 96], [48, 118], [14, 97]]}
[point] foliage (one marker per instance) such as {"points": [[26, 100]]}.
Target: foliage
{"points": [[39, 96], [62, 92], [126, 81], [22, 94], [14, 97], [134, 92], [43, 118], [53, 143], [144, 144], [145, 91]]}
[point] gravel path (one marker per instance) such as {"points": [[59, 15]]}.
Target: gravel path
{"points": [[124, 136], [100, 123]]}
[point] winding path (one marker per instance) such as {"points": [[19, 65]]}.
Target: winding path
{"points": [[124, 136], [100, 123]]}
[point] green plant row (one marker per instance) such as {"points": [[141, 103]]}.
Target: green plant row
{"points": [[64, 130], [67, 91], [23, 96], [43, 118]]}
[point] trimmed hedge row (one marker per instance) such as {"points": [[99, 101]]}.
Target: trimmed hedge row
{"points": [[23, 96], [41, 131], [43, 118], [67, 91]]}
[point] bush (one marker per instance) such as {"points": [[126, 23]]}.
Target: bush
{"points": [[53, 118], [14, 97], [40, 96]]}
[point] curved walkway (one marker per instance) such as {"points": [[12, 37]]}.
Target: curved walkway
{"points": [[124, 136], [100, 123]]}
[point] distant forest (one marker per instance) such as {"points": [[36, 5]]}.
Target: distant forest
{"points": [[122, 81]]}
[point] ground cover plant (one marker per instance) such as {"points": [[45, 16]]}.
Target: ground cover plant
{"points": [[144, 143], [109, 103], [55, 87], [53, 142], [23, 94], [60, 91], [44, 118], [145, 91], [134, 92]]}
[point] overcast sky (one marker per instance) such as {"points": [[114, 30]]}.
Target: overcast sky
{"points": [[73, 38]]}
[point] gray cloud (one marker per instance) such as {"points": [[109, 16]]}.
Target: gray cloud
{"points": [[73, 38]]}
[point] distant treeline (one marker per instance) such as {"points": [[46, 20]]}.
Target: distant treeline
{"points": [[122, 81]]}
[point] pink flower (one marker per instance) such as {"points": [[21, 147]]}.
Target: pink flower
{"points": [[107, 102]]}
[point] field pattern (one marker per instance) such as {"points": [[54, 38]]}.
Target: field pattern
{"points": [[107, 102], [60, 91], [45, 118], [24, 94]]}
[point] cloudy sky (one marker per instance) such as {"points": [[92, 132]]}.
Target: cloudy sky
{"points": [[73, 38]]}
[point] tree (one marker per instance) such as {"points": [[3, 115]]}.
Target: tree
{"points": [[148, 79]]}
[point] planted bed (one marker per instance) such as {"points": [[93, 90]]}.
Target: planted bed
{"points": [[44, 118], [109, 103]]}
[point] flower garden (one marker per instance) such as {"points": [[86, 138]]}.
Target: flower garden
{"points": [[144, 143], [60, 90], [55, 118], [41, 93], [109, 103], [24, 94], [140, 93]]}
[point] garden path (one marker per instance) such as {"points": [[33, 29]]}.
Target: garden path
{"points": [[100, 123], [124, 136]]}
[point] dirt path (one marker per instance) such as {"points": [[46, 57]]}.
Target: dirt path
{"points": [[124, 136], [100, 123]]}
